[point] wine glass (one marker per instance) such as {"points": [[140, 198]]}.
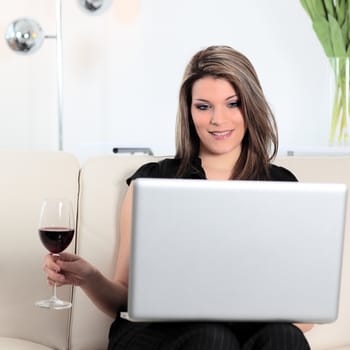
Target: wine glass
{"points": [[56, 231]]}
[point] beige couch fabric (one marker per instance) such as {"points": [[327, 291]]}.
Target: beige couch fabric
{"points": [[27, 177], [337, 170]]}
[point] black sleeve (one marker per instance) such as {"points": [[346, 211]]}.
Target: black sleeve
{"points": [[146, 170], [279, 173]]}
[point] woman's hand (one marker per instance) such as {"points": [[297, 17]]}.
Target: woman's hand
{"points": [[67, 269], [106, 294]]}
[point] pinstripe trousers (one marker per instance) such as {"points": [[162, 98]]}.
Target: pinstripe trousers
{"points": [[205, 336]]}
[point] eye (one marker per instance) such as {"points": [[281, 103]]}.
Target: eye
{"points": [[202, 106], [234, 104]]}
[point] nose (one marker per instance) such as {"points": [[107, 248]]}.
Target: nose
{"points": [[217, 116]]}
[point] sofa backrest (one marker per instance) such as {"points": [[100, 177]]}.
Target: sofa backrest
{"points": [[102, 187], [334, 169], [26, 179]]}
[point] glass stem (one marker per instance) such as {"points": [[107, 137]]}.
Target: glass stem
{"points": [[54, 287], [54, 291]]}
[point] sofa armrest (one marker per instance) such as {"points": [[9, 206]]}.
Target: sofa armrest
{"points": [[27, 178]]}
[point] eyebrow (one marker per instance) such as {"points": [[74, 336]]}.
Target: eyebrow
{"points": [[204, 100]]}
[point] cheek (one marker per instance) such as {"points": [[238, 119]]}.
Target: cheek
{"points": [[200, 118], [196, 126], [239, 119], [197, 121], [199, 126]]}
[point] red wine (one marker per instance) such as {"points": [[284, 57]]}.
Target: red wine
{"points": [[56, 239]]}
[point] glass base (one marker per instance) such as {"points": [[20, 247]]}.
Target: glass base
{"points": [[54, 303]]}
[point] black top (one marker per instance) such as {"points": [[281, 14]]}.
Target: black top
{"points": [[167, 168]]}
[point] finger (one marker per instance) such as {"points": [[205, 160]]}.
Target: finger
{"points": [[54, 276], [67, 257], [51, 264], [72, 278], [47, 266], [52, 283], [67, 266]]}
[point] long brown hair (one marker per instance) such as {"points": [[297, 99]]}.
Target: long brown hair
{"points": [[260, 142]]}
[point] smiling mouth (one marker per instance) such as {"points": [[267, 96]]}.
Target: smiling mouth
{"points": [[221, 133]]}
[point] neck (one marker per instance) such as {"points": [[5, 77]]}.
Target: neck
{"points": [[218, 167]]}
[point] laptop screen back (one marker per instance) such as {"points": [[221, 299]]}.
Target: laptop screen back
{"points": [[235, 250]]}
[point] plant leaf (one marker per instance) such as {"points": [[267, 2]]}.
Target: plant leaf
{"points": [[348, 37], [307, 5], [329, 7], [319, 8], [336, 38], [344, 31], [348, 16], [323, 32], [341, 12], [331, 23]]}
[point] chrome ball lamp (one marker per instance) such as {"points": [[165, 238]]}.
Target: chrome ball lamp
{"points": [[95, 7], [25, 36]]}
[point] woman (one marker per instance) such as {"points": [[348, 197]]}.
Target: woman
{"points": [[225, 130]]}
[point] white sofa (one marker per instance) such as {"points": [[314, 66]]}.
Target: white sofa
{"points": [[96, 188]]}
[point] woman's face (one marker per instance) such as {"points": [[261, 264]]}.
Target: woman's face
{"points": [[217, 118]]}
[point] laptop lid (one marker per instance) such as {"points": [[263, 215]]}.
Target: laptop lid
{"points": [[235, 250]]}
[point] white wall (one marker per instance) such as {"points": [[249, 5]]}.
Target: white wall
{"points": [[122, 71]]}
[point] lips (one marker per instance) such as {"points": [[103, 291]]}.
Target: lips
{"points": [[221, 134]]}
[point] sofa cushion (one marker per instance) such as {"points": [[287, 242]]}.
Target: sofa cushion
{"points": [[102, 188], [27, 178], [18, 344], [335, 169]]}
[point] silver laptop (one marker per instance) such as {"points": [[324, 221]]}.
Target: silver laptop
{"points": [[235, 251]]}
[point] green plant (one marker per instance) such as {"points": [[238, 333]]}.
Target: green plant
{"points": [[331, 23]]}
